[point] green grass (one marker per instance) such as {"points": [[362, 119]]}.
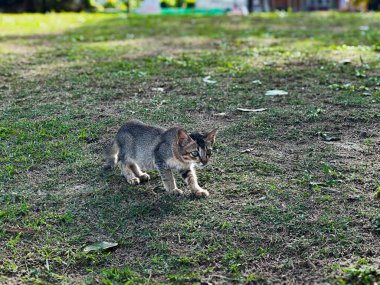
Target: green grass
{"points": [[285, 205]]}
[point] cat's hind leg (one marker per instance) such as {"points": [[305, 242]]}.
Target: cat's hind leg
{"points": [[129, 174], [137, 171]]}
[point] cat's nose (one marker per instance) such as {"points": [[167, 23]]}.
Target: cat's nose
{"points": [[204, 161]]}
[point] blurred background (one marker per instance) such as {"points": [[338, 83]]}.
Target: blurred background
{"points": [[184, 6]]}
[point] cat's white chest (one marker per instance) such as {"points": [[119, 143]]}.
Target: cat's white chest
{"points": [[174, 163]]}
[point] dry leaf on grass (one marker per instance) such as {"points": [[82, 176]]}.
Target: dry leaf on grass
{"points": [[276, 93], [103, 245], [208, 81], [251, 110]]}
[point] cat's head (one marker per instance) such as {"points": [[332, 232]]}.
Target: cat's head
{"points": [[196, 148]]}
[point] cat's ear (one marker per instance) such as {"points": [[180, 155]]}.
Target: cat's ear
{"points": [[210, 137], [182, 136]]}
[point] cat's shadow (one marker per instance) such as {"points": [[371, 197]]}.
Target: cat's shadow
{"points": [[147, 199], [118, 211]]}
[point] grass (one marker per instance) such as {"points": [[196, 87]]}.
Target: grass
{"points": [[286, 204]]}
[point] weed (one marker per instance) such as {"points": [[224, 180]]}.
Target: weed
{"points": [[362, 273], [12, 242], [120, 276], [233, 260], [314, 114], [331, 175]]}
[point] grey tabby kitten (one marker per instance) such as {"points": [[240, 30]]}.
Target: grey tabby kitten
{"points": [[140, 146]]}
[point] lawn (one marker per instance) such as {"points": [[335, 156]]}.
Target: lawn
{"points": [[294, 189]]}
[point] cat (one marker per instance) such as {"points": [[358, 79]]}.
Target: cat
{"points": [[140, 146]]}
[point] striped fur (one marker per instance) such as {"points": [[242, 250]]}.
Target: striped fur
{"points": [[139, 147]]}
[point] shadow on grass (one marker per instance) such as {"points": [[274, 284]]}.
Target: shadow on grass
{"points": [[120, 211]]}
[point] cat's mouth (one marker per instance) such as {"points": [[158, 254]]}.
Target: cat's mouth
{"points": [[201, 165]]}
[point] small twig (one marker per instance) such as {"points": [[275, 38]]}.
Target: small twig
{"points": [[28, 231]]}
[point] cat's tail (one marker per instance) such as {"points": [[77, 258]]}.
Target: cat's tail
{"points": [[111, 156]]}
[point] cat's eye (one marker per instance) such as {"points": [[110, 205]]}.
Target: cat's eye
{"points": [[194, 153]]}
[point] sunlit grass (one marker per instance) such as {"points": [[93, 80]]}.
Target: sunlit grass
{"points": [[28, 24]]}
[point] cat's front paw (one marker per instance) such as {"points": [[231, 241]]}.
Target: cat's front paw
{"points": [[144, 177], [176, 191], [202, 193], [133, 181]]}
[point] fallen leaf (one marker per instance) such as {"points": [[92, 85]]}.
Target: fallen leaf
{"points": [[313, 183], [345, 61], [159, 89], [258, 82], [103, 245], [276, 93], [207, 80], [329, 138], [246, 150], [251, 110], [220, 114]]}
